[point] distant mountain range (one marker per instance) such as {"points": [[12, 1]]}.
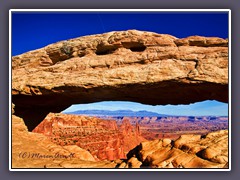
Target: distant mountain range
{"points": [[128, 113]]}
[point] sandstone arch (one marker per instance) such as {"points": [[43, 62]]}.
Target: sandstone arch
{"points": [[132, 65]]}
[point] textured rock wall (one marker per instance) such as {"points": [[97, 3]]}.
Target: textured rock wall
{"points": [[102, 138], [34, 150], [129, 65], [189, 151], [173, 126]]}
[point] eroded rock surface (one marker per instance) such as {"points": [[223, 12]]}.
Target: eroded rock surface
{"points": [[173, 127], [102, 138], [189, 151], [33, 150], [129, 65]]}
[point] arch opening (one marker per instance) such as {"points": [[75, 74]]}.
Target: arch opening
{"points": [[33, 109], [122, 125], [168, 121]]}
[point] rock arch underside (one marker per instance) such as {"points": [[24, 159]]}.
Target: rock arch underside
{"points": [[139, 66]]}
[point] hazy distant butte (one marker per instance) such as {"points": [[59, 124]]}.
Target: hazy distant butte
{"points": [[132, 65], [117, 113]]}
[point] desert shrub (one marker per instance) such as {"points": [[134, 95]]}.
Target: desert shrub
{"points": [[66, 48]]}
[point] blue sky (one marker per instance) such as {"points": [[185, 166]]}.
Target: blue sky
{"points": [[198, 109], [33, 30]]}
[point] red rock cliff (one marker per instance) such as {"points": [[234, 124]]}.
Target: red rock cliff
{"points": [[102, 138]]}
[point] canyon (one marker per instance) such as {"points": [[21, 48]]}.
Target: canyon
{"points": [[114, 138], [173, 127], [39, 150], [35, 150], [138, 66], [104, 139], [154, 125]]}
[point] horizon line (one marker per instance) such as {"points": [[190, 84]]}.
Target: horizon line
{"points": [[72, 112]]}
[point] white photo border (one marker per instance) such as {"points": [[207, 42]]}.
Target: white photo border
{"points": [[118, 10]]}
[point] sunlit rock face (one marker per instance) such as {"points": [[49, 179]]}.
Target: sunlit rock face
{"points": [[188, 151], [35, 150], [102, 138], [131, 65], [172, 127]]}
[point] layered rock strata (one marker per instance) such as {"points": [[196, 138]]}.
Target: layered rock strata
{"points": [[102, 138], [131, 65], [34, 150], [173, 127]]}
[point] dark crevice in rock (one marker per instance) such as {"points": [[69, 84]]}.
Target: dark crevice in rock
{"points": [[134, 46], [105, 49], [202, 43], [200, 153], [138, 49]]}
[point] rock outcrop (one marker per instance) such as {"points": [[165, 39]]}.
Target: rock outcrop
{"points": [[33, 150], [129, 65], [102, 138], [189, 151], [173, 127]]}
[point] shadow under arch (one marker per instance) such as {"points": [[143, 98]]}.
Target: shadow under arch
{"points": [[33, 109]]}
